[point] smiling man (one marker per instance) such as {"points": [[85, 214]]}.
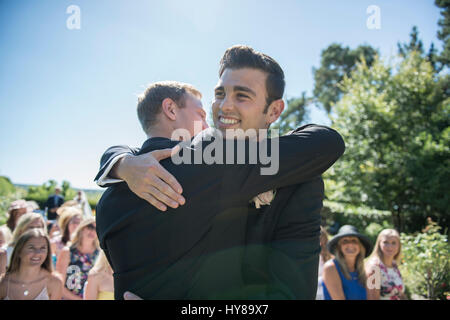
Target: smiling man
{"points": [[217, 245]]}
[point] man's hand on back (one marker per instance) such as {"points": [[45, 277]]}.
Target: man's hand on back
{"points": [[149, 180]]}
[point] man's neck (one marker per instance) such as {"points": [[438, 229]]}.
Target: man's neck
{"points": [[160, 132]]}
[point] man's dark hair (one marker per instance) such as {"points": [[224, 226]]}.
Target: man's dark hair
{"points": [[150, 102], [240, 56]]}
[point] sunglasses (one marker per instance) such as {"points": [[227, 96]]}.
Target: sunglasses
{"points": [[348, 241], [90, 226]]}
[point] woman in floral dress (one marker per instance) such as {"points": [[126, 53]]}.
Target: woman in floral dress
{"points": [[76, 260], [384, 279]]}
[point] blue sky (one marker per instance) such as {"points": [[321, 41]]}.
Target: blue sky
{"points": [[66, 95]]}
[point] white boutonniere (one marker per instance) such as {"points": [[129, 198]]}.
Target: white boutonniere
{"points": [[264, 198]]}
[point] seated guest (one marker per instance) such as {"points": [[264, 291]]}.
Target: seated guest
{"points": [[325, 255], [15, 211], [5, 237], [29, 276], [68, 221], [26, 222], [344, 277], [100, 283], [75, 261], [386, 282]]}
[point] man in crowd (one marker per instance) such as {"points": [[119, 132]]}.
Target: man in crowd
{"points": [[53, 203]]}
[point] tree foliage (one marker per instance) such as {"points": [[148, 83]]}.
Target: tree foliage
{"points": [[336, 63], [444, 32], [6, 187], [395, 122], [42, 192], [294, 114]]}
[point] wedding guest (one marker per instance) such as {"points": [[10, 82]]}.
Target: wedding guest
{"points": [[68, 221], [5, 236], [53, 203], [100, 283], [15, 211], [344, 277], [385, 280], [33, 206], [29, 276], [325, 255], [83, 202], [75, 261], [26, 222]]}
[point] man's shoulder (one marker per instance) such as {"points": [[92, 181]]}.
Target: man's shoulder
{"points": [[156, 143]]}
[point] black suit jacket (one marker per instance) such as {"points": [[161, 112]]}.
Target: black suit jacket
{"points": [[201, 249], [283, 243], [50, 204]]}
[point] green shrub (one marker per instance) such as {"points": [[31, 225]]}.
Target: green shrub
{"points": [[367, 220], [425, 267], [6, 187]]}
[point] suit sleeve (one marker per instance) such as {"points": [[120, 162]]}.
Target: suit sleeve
{"points": [[304, 154], [107, 161]]}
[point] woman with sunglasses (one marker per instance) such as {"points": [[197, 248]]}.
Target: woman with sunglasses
{"points": [[76, 260], [344, 277], [68, 221]]}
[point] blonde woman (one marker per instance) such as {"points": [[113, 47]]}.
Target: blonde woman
{"points": [[29, 276], [68, 221], [100, 283], [75, 261], [5, 236], [344, 277], [26, 222], [385, 280], [325, 255]]}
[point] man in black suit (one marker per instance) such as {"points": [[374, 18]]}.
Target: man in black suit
{"points": [[53, 203], [226, 249]]}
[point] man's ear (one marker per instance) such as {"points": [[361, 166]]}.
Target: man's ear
{"points": [[169, 109], [274, 111]]}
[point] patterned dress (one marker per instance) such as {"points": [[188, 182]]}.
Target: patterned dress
{"points": [[391, 281], [78, 269]]}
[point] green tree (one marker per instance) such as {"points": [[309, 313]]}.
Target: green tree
{"points": [[6, 187], [337, 62], [294, 114], [395, 122], [444, 32], [8, 194], [41, 193], [416, 45]]}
